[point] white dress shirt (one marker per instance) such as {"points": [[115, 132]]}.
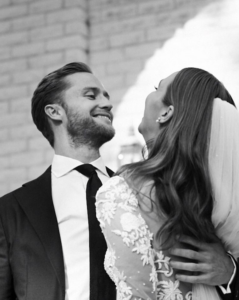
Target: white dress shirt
{"points": [[69, 198]]}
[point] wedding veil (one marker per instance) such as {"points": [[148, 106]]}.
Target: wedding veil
{"points": [[224, 173], [223, 159]]}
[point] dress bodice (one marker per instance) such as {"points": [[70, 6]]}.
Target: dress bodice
{"points": [[139, 270]]}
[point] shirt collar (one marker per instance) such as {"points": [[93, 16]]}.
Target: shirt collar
{"points": [[62, 165]]}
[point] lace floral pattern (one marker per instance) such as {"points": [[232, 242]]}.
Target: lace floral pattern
{"points": [[118, 214], [162, 264], [169, 290], [124, 291]]}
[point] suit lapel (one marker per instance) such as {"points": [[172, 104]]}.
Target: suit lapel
{"points": [[35, 199]]}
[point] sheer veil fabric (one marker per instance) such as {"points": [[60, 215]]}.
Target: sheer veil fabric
{"points": [[224, 173]]}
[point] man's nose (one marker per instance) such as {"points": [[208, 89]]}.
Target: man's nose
{"points": [[105, 103]]}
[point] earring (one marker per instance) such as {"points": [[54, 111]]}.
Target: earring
{"points": [[158, 120]]}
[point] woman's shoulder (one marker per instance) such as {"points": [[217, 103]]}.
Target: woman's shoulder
{"points": [[117, 189], [116, 183], [115, 197]]}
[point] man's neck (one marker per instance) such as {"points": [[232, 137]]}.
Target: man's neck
{"points": [[82, 153]]}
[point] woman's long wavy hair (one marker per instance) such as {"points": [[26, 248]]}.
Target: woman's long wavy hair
{"points": [[178, 157]]}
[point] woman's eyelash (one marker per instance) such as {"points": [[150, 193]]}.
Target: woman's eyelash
{"points": [[155, 88]]}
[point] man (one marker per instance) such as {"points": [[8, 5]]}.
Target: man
{"points": [[46, 247]]}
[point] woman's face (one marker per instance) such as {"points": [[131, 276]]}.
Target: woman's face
{"points": [[154, 108]]}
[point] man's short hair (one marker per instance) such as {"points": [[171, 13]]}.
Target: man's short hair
{"points": [[50, 90]]}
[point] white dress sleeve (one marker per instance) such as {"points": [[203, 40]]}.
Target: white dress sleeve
{"points": [[127, 235]]}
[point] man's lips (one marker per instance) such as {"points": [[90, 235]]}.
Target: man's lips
{"points": [[104, 115]]}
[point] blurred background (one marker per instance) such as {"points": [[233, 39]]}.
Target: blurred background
{"points": [[130, 46]]}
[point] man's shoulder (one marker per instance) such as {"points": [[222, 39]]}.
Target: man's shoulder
{"points": [[46, 176], [8, 197], [11, 197]]}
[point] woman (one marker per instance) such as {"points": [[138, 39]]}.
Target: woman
{"points": [[186, 185]]}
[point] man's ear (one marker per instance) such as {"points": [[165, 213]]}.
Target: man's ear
{"points": [[54, 112], [166, 115]]}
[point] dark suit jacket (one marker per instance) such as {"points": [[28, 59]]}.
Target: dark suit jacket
{"points": [[235, 289], [235, 286], [234, 295], [31, 258]]}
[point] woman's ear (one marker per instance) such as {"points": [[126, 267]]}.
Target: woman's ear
{"points": [[166, 115], [54, 112]]}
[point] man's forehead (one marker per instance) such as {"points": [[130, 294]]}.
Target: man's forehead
{"points": [[82, 80]]}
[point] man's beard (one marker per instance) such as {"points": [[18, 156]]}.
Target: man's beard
{"points": [[85, 131]]}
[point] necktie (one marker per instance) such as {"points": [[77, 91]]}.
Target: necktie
{"points": [[101, 286]]}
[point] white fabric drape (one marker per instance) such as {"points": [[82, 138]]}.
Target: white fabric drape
{"points": [[224, 173]]}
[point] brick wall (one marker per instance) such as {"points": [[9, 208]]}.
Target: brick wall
{"points": [[36, 37], [130, 45], [124, 34]]}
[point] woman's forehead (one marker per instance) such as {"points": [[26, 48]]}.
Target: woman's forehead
{"points": [[166, 81]]}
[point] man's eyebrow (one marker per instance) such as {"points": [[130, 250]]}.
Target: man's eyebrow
{"points": [[96, 90]]}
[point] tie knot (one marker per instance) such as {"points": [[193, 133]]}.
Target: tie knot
{"points": [[86, 169]]}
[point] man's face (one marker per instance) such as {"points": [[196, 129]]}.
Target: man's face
{"points": [[88, 111]]}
